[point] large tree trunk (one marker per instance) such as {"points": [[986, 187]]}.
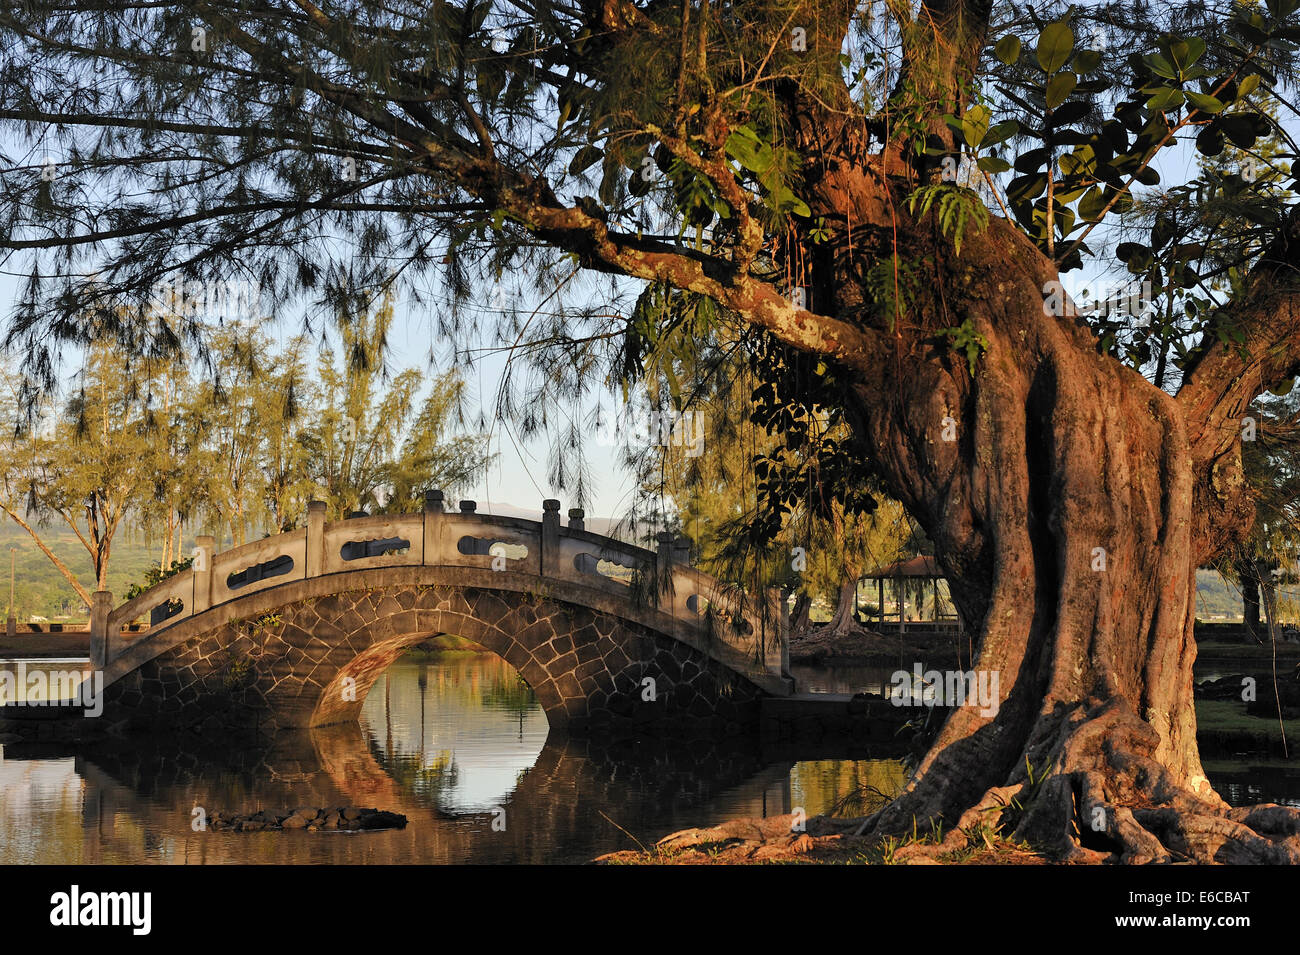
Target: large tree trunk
{"points": [[1063, 518]]}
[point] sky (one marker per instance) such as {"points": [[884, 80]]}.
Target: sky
{"points": [[518, 476]]}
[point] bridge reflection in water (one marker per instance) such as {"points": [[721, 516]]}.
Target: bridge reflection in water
{"points": [[453, 741]]}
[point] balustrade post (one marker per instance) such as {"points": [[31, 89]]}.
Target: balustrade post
{"points": [[550, 538], [433, 522], [205, 548], [101, 605], [576, 522], [664, 563], [315, 539], [682, 550]]}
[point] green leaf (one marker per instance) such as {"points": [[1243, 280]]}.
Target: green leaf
{"points": [[1186, 52], [992, 164], [1085, 61], [1008, 49], [1286, 386], [1026, 188], [1066, 196], [1071, 112], [1127, 251], [637, 185], [1167, 99], [1160, 66], [999, 133], [1055, 44], [1248, 84], [1162, 232], [1081, 162], [1059, 88], [1210, 141], [744, 147], [1032, 160], [975, 124], [1092, 204], [1239, 129], [782, 200], [1204, 102], [586, 157], [1064, 221]]}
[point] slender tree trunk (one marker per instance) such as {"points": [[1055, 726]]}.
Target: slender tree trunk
{"points": [[844, 620], [1249, 576], [800, 615], [59, 565]]}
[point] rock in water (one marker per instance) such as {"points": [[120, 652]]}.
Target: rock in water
{"points": [[349, 819], [381, 819]]}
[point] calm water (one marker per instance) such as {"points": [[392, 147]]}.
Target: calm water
{"points": [[459, 745], [456, 743], [1240, 781]]}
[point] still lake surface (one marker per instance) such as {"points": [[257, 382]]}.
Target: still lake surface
{"points": [[457, 743]]}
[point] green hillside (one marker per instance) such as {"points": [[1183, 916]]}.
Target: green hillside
{"points": [[40, 590]]}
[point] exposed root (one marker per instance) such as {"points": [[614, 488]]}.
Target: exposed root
{"points": [[1103, 798]]}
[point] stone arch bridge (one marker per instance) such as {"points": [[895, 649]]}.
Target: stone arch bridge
{"points": [[293, 630]]}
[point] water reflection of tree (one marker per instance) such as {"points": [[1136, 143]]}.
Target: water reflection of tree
{"points": [[426, 777], [509, 691], [849, 787]]}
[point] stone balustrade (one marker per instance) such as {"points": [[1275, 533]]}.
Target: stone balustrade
{"points": [[737, 633]]}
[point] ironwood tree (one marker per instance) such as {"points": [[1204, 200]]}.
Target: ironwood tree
{"points": [[86, 465], [885, 195]]}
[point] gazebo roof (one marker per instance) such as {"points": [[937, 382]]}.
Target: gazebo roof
{"points": [[923, 566]]}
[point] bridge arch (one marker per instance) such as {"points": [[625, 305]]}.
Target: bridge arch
{"points": [[300, 649]]}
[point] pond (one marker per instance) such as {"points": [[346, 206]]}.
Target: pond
{"points": [[457, 743], [454, 741]]}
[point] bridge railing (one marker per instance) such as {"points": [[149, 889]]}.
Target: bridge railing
{"points": [[728, 625], [385, 540], [248, 568], [168, 601]]}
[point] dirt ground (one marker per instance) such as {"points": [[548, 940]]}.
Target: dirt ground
{"points": [[824, 841]]}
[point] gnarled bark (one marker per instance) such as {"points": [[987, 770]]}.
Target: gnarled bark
{"points": [[1064, 517]]}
